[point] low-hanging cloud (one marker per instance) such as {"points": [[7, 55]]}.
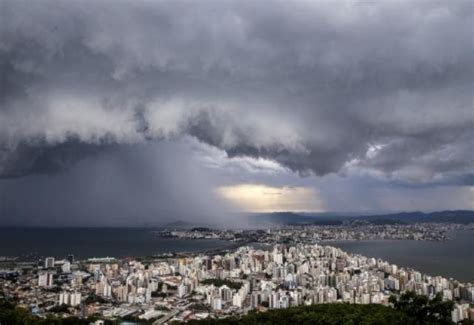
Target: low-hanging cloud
{"points": [[314, 86]]}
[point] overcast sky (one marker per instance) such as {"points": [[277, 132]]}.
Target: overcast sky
{"points": [[144, 112]]}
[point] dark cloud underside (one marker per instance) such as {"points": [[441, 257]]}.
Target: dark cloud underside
{"points": [[319, 87], [311, 85]]}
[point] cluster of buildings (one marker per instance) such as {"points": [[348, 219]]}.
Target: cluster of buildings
{"points": [[311, 234], [201, 286]]}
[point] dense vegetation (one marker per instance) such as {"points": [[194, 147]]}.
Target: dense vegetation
{"points": [[409, 309], [218, 283], [11, 315], [422, 309], [319, 314]]}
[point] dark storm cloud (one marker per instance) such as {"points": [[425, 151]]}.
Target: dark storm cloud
{"points": [[315, 86], [41, 158], [147, 184]]}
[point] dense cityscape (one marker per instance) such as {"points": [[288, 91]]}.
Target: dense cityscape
{"points": [[227, 283], [316, 233]]}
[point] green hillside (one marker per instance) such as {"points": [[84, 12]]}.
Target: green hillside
{"points": [[409, 309]]}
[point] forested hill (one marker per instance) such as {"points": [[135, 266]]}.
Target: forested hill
{"points": [[408, 309], [326, 314]]}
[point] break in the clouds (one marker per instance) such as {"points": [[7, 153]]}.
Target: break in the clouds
{"points": [[316, 87], [261, 198]]}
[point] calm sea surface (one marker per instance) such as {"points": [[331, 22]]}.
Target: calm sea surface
{"points": [[30, 243], [453, 258]]}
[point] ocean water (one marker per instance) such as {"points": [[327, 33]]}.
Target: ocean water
{"points": [[453, 258], [32, 243]]}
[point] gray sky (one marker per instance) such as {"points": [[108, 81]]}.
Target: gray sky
{"points": [[135, 112]]}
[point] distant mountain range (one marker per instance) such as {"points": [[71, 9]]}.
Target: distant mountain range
{"points": [[290, 218], [178, 224], [262, 220]]}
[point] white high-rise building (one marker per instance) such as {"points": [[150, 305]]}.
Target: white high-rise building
{"points": [[274, 300], [107, 290], [153, 284], [217, 303], [254, 300], [225, 293], [75, 298], [45, 279], [66, 267], [49, 262], [278, 257], [237, 300], [71, 299], [365, 298], [148, 294], [284, 302], [182, 290], [63, 298]]}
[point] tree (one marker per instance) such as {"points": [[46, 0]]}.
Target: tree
{"points": [[424, 310]]}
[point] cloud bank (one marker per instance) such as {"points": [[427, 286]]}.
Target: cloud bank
{"points": [[314, 86], [357, 95]]}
